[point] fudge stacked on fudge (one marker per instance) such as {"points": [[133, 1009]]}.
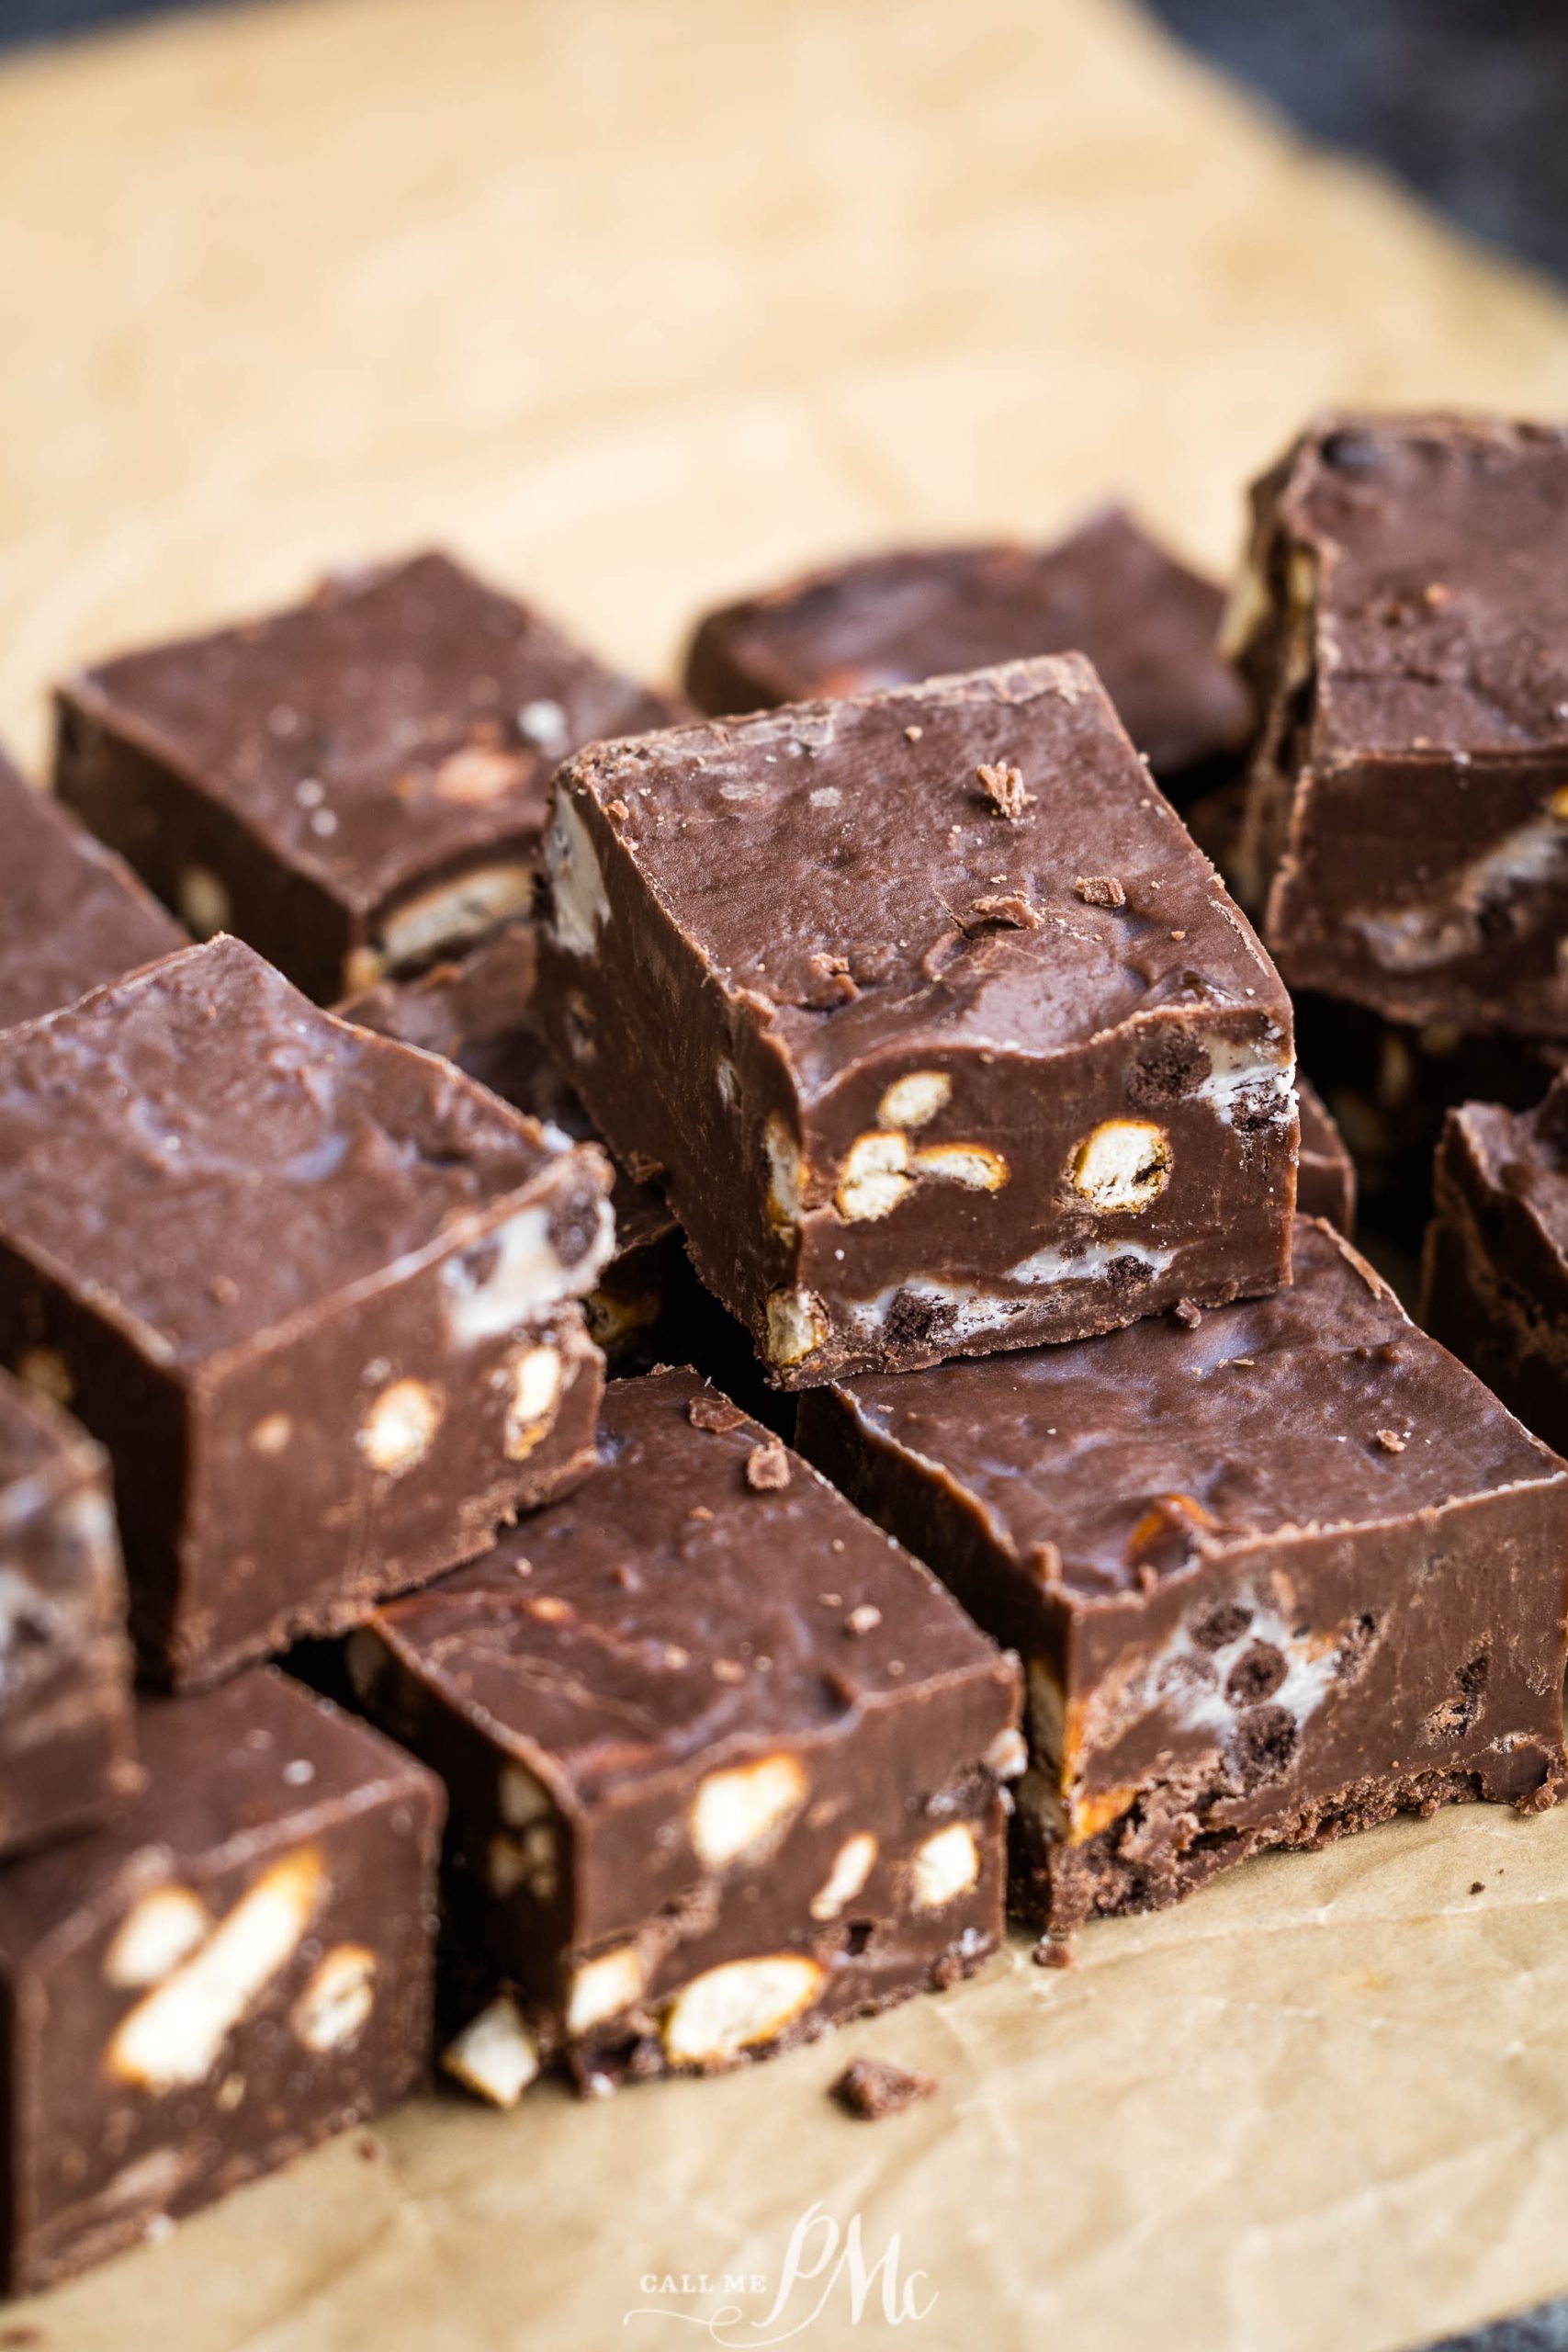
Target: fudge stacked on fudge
{"points": [[1403, 619]]}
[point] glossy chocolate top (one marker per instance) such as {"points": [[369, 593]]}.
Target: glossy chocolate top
{"points": [[682, 1603], [1441, 611], [477, 1012], [205, 1153], [846, 866], [224, 1769], [71, 913], [1100, 1462], [400, 718], [1148, 624]]}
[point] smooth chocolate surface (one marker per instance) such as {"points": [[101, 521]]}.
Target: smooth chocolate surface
{"points": [[71, 914], [1405, 621], [354, 785], [236, 1967], [723, 1761], [1495, 1276], [1325, 1174], [314, 1292], [478, 1013], [1276, 1572], [1149, 625], [67, 1750], [922, 1076]]}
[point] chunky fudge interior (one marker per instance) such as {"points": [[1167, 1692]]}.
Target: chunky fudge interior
{"points": [[1276, 1572], [1406, 620], [71, 914], [1495, 1276], [941, 1033], [315, 1292], [354, 786], [1149, 625], [237, 1966], [723, 1762]]}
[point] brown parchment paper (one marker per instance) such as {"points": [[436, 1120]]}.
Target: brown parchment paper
{"points": [[638, 302]]}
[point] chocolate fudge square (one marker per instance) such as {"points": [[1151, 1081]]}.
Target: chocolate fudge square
{"points": [[1276, 1574], [478, 1013], [1150, 625], [723, 1762], [236, 1968], [1406, 620], [353, 787], [1495, 1277], [939, 1030], [71, 914], [313, 1291], [1325, 1174], [67, 1748]]}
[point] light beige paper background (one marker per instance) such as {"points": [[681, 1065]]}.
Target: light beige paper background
{"points": [[638, 302]]}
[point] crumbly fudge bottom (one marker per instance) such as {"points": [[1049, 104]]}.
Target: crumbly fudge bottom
{"points": [[1158, 1852]]}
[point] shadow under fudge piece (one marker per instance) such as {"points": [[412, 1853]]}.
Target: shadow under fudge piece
{"points": [[1149, 625], [941, 1033], [478, 1013], [71, 914], [313, 1291], [1325, 1174], [723, 1762], [237, 1967], [353, 787], [1494, 1280], [1404, 620], [67, 1750], [1277, 1573]]}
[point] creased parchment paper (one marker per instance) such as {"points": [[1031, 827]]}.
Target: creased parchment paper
{"points": [[638, 302]]}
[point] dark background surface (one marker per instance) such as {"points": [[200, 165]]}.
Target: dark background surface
{"points": [[1465, 100]]}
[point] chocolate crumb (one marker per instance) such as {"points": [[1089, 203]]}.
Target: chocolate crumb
{"points": [[863, 1620], [913, 734], [618, 809], [1187, 1315], [1178, 935], [1003, 788], [767, 1467], [869, 2088], [368, 2151], [1391, 1440], [831, 982], [1101, 890], [699, 1511], [714, 1413], [1478, 1886], [1012, 908], [1052, 1951]]}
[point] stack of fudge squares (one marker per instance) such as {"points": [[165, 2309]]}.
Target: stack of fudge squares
{"points": [[405, 1020]]}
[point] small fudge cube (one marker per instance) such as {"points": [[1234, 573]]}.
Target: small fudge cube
{"points": [[478, 1013], [1325, 1174], [67, 1748], [723, 1762], [1149, 625], [237, 1967], [351, 787], [1277, 1573], [71, 914], [943, 1036], [313, 1290], [1496, 1278], [1405, 619]]}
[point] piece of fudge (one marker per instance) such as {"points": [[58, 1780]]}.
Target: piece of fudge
{"points": [[1495, 1285], [1277, 1573], [353, 787], [71, 914], [235, 1968], [940, 1032], [1150, 625], [1325, 1174], [67, 1750], [1405, 619], [723, 1763], [313, 1291], [477, 1012]]}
